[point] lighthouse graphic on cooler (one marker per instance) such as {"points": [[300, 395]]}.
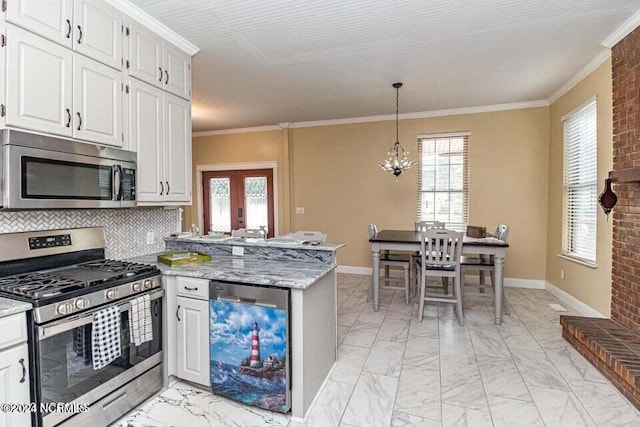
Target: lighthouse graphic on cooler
{"points": [[255, 361]]}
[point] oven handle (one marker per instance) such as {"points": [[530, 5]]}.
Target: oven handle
{"points": [[86, 318]]}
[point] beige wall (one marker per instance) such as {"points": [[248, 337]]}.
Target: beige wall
{"points": [[592, 286], [336, 179], [243, 148]]}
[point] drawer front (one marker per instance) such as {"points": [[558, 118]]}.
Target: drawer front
{"points": [[193, 288], [14, 330]]}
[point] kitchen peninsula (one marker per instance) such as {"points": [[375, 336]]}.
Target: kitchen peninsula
{"points": [[306, 272]]}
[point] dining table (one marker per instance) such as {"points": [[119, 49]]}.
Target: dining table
{"points": [[409, 240]]}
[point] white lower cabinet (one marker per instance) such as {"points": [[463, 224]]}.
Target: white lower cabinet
{"points": [[14, 369], [193, 340]]}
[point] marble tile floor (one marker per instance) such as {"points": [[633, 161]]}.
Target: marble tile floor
{"points": [[395, 371]]}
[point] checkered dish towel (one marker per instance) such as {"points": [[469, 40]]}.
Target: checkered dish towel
{"points": [[105, 337], [140, 325]]}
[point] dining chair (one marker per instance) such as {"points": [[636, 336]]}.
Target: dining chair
{"points": [[388, 260], [440, 252], [421, 226], [483, 264]]}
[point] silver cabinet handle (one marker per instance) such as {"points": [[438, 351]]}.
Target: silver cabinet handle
{"points": [[161, 188], [79, 34], [24, 370]]}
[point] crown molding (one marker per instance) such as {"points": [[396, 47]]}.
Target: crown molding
{"points": [[622, 31], [580, 75], [154, 25], [385, 117], [425, 114], [238, 130]]}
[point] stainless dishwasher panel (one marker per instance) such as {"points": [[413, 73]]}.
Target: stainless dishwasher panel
{"points": [[233, 375]]}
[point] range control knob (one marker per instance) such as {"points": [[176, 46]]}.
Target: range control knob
{"points": [[82, 303], [136, 287], [110, 294], [64, 308], [148, 284]]}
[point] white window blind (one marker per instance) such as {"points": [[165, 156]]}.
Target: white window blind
{"points": [[443, 182], [580, 183]]}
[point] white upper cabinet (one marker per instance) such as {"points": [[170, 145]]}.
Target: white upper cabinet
{"points": [[145, 123], [177, 147], [39, 79], [97, 102], [98, 31], [177, 71], [52, 19], [145, 55], [158, 62]]}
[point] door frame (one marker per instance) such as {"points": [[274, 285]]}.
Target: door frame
{"points": [[216, 167]]}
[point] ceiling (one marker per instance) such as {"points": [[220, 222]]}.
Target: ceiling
{"points": [[266, 62]]}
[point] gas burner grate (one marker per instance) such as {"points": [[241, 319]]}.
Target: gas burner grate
{"points": [[119, 268], [38, 285]]}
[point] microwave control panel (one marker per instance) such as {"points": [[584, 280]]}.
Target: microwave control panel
{"points": [[49, 241]]}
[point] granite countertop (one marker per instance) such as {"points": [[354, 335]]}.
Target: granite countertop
{"points": [[11, 306], [284, 274], [269, 243]]}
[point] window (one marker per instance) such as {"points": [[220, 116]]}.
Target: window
{"points": [[580, 184], [443, 179]]}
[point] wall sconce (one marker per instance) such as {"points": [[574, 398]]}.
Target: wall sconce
{"points": [[608, 198]]}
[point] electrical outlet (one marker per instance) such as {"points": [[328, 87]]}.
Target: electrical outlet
{"points": [[561, 274], [300, 210], [151, 237], [237, 251]]}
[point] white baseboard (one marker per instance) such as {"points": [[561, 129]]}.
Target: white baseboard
{"points": [[509, 282], [351, 269], [575, 303]]}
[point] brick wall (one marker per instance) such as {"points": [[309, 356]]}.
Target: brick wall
{"points": [[625, 303]]}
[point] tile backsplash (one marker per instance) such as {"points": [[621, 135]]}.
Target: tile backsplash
{"points": [[125, 229]]}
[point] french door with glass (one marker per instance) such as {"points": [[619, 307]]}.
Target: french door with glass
{"points": [[238, 199]]}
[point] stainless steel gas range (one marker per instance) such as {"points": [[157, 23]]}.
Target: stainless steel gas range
{"points": [[65, 276]]}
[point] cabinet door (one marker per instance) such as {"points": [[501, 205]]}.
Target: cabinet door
{"points": [[145, 55], [177, 71], [177, 148], [14, 366], [39, 79], [98, 32], [193, 340], [51, 19], [145, 133], [97, 102]]}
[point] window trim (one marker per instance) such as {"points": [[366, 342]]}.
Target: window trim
{"points": [[465, 184], [564, 254]]}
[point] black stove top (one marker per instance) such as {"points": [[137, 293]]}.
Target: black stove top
{"points": [[77, 279]]}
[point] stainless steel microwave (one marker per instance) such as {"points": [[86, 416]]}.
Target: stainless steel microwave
{"points": [[44, 172]]}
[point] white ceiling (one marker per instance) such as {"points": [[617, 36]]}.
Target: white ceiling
{"points": [[265, 62]]}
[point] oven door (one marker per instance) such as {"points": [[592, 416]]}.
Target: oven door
{"points": [[64, 362], [37, 179]]}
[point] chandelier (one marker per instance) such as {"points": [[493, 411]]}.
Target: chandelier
{"points": [[397, 161]]}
